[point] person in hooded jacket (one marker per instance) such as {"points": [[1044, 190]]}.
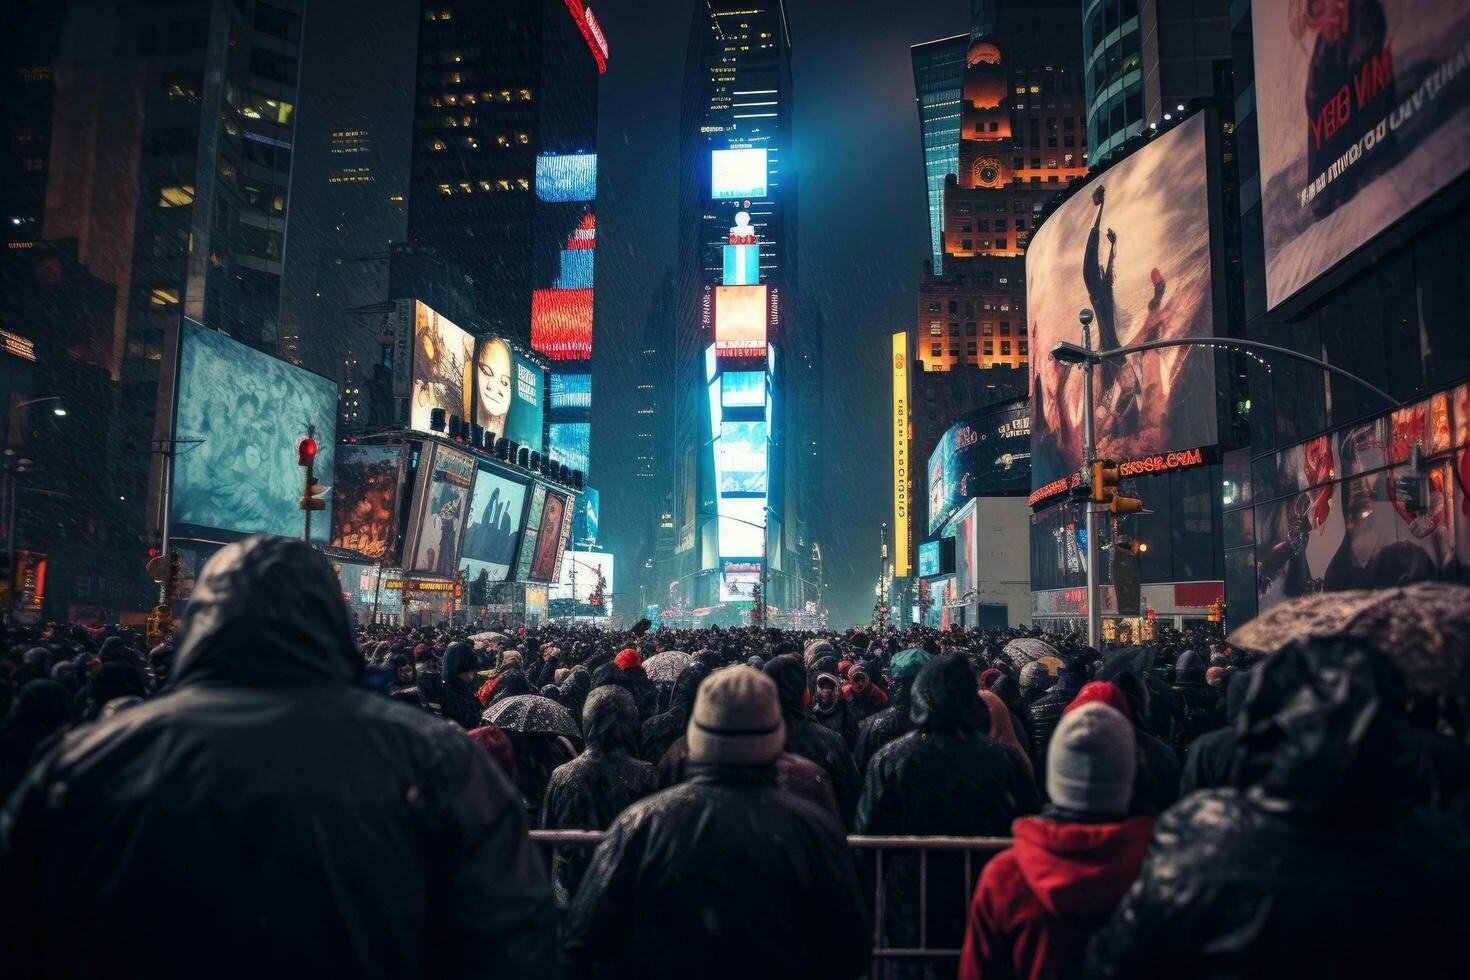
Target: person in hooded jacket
{"points": [[863, 693], [1046, 711], [292, 823], [1038, 902], [833, 711], [1214, 758], [665, 728], [117, 679], [455, 690], [1197, 699], [806, 738], [1319, 867], [725, 876], [591, 790], [895, 720], [945, 778]]}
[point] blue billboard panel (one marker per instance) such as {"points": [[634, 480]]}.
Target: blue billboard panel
{"points": [[575, 271], [571, 391], [738, 174], [743, 389], [584, 522], [928, 559], [742, 265], [249, 410], [986, 454], [743, 467], [494, 523], [566, 176], [571, 443]]}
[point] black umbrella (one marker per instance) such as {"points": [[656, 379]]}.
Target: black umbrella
{"points": [[532, 713]]}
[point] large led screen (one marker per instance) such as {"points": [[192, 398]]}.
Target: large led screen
{"points": [[986, 454], [1364, 112], [493, 528], [571, 391], [249, 411], [441, 502], [508, 393], [742, 265], [585, 565], [571, 444], [365, 499], [739, 581], [561, 323], [743, 457], [536, 504], [442, 358], [566, 176], [1133, 246], [740, 319], [928, 559], [737, 174], [584, 524], [743, 389], [549, 538], [742, 527]]}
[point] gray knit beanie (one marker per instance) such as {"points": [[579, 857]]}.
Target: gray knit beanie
{"points": [[1091, 761], [736, 719]]}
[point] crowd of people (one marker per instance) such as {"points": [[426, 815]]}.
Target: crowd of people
{"points": [[278, 791]]}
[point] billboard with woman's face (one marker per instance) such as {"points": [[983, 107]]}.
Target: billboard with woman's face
{"points": [[508, 393]]}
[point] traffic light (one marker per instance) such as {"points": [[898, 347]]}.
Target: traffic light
{"points": [[1131, 545], [314, 495], [1105, 488], [306, 452]]}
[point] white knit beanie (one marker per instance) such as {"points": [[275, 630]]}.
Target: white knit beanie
{"points": [[736, 719], [1091, 761]]}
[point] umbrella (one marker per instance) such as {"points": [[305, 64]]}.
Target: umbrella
{"points": [[527, 713], [665, 668], [1424, 629], [1022, 650], [489, 637]]}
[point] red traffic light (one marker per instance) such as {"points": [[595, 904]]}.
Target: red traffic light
{"points": [[306, 451]]}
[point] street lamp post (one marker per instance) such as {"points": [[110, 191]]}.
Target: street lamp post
{"points": [[1069, 353]]}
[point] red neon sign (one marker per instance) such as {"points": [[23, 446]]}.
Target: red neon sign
{"points": [[591, 33], [561, 323], [1158, 463]]}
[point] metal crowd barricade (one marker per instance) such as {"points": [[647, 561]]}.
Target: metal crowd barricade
{"points": [[882, 954]]}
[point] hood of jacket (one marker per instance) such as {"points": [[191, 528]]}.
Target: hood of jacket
{"points": [[610, 720], [458, 657], [790, 678], [681, 700], [946, 696], [1080, 870], [266, 612]]}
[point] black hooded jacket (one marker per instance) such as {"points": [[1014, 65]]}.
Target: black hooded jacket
{"points": [[725, 877], [806, 738], [590, 791], [878, 730], [946, 778], [283, 821], [841, 718], [664, 729], [1318, 867]]}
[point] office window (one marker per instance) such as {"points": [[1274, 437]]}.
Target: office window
{"points": [[1005, 328], [989, 349], [954, 329], [1005, 348], [954, 307], [936, 350], [970, 329], [935, 330]]}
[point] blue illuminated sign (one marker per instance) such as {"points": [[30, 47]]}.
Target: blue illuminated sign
{"points": [[742, 265], [571, 391], [738, 174], [928, 559], [566, 176], [744, 389], [571, 444]]}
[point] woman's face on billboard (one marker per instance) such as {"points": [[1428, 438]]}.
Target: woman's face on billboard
{"points": [[494, 378]]}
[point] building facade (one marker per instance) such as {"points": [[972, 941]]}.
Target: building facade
{"points": [[939, 76]]}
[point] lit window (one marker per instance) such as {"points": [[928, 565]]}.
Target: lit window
{"points": [[176, 197], [456, 78], [464, 185], [523, 183], [505, 95], [525, 95], [451, 99], [484, 185], [163, 297], [503, 184], [437, 145], [523, 137], [503, 140], [445, 189]]}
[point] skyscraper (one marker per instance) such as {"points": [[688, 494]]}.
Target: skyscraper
{"points": [[939, 75], [734, 401]]}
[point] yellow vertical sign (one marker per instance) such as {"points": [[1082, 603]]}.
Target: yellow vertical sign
{"points": [[901, 541]]}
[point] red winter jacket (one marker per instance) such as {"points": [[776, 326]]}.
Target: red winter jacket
{"points": [[1039, 902]]}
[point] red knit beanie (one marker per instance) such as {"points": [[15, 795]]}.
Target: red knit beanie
{"points": [[1104, 691], [628, 659]]}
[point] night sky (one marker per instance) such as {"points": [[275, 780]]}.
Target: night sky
{"points": [[863, 228]]}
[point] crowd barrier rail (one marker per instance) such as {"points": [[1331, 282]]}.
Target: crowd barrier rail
{"points": [[876, 849]]}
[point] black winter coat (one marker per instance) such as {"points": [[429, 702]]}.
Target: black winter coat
{"points": [[1042, 719], [882, 728], [840, 718], [664, 729], [265, 818], [723, 876], [806, 738]]}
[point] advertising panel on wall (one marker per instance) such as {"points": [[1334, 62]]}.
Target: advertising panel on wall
{"points": [[365, 483], [509, 389], [1134, 247], [441, 503], [742, 527], [928, 559], [1352, 511], [743, 389], [564, 177], [742, 265], [549, 538], [571, 443], [743, 463], [738, 174], [986, 454], [901, 532], [1364, 112], [534, 508], [740, 320], [443, 358], [493, 527], [585, 567], [739, 580], [571, 391], [561, 323], [584, 525], [248, 410]]}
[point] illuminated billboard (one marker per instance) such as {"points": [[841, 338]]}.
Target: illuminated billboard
{"points": [[493, 527], [742, 527], [742, 452], [742, 265], [566, 177], [571, 391], [576, 259], [740, 320], [441, 502], [584, 524], [561, 324], [585, 566], [249, 411], [900, 349], [443, 356], [1361, 118], [534, 507], [1134, 247], [738, 174], [549, 538], [365, 485], [508, 393], [739, 581], [985, 454], [571, 443], [743, 389], [928, 559]]}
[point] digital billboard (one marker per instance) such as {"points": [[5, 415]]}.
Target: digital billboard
{"points": [[985, 454], [1364, 112], [571, 444], [561, 324], [743, 389], [534, 506], [441, 502], [571, 391], [566, 177], [584, 524], [742, 527], [548, 538], [739, 581], [901, 531], [928, 559], [740, 319], [737, 174], [743, 457], [443, 356], [508, 393], [1134, 247], [585, 565], [365, 484], [742, 265], [249, 411], [494, 526]]}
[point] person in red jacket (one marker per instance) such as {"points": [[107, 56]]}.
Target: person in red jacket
{"points": [[1039, 902]]}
